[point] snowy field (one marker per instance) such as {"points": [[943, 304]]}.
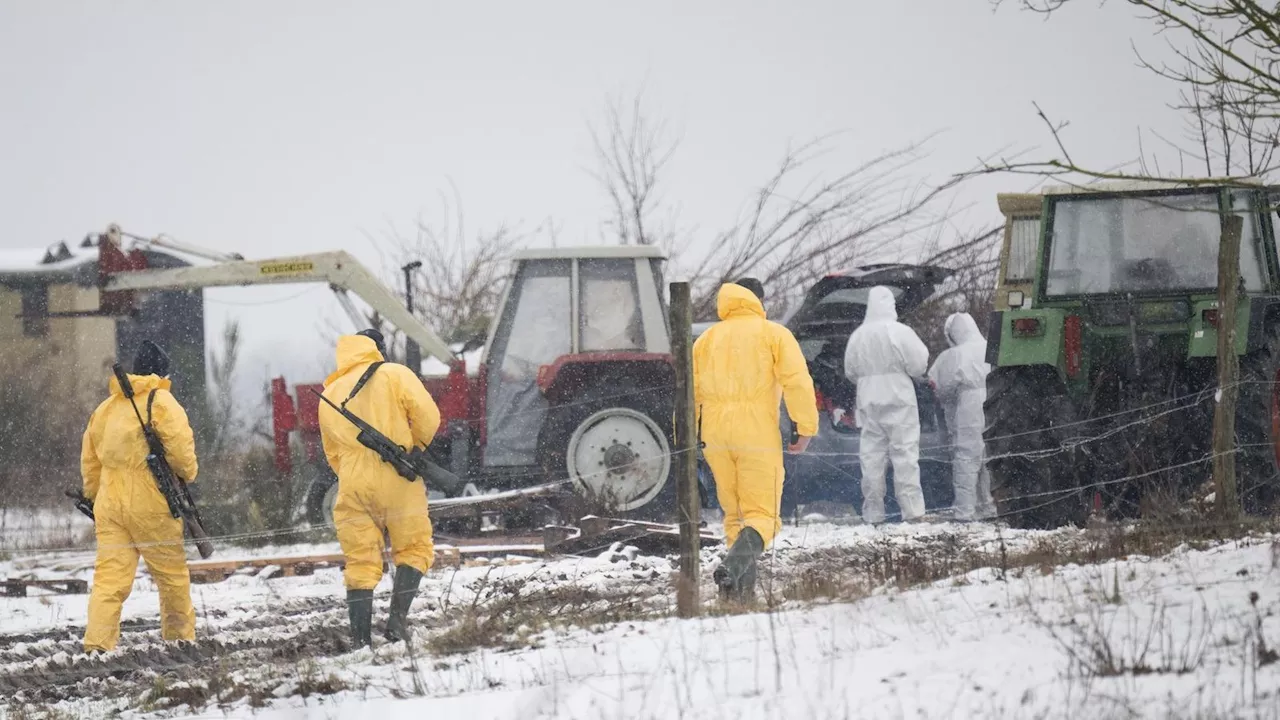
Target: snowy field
{"points": [[931, 621]]}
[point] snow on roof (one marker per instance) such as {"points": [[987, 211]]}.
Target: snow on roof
{"points": [[55, 259]]}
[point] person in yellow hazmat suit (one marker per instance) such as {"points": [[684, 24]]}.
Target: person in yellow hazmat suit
{"points": [[743, 367], [131, 517], [372, 497]]}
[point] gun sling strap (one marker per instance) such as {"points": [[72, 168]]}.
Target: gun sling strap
{"points": [[368, 373]]}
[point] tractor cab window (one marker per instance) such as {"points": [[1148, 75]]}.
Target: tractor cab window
{"points": [[1143, 244], [1253, 258], [534, 330], [1023, 241], [609, 309]]}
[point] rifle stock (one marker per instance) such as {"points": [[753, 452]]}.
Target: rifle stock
{"points": [[81, 502], [409, 464]]}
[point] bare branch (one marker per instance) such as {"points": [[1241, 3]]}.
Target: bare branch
{"points": [[790, 238], [1228, 64], [458, 286], [632, 151]]}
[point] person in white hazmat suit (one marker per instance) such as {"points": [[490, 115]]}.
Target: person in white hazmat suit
{"points": [[959, 378], [882, 357]]}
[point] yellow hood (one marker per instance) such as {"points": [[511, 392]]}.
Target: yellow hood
{"points": [[737, 301], [353, 350], [142, 384]]}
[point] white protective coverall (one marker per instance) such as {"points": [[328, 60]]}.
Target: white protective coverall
{"points": [[959, 376], [882, 357]]}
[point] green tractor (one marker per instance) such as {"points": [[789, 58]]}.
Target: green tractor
{"points": [[1104, 376]]}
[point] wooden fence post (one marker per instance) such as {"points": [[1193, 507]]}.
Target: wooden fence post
{"points": [[685, 451], [1226, 498]]}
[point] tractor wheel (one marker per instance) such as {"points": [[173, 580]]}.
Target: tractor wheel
{"points": [[615, 449], [1258, 428], [321, 496], [1033, 480]]}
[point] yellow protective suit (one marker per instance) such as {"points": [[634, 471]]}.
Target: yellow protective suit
{"points": [[372, 497], [742, 367], [131, 516]]}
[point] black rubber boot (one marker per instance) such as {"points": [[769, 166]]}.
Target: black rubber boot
{"points": [[736, 576], [402, 595], [360, 612]]}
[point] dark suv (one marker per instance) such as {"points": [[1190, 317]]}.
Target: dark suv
{"points": [[829, 470]]}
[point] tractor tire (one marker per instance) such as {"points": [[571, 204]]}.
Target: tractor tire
{"points": [[321, 495], [1033, 480], [1258, 428], [615, 449]]}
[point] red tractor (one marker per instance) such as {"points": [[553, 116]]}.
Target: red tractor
{"points": [[571, 392]]}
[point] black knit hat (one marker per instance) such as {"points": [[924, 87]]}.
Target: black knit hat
{"points": [[753, 285], [150, 360], [376, 336]]}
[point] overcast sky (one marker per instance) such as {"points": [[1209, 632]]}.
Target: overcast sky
{"points": [[289, 127]]}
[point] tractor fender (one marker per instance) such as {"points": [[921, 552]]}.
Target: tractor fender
{"points": [[1044, 347], [1203, 339], [570, 374]]}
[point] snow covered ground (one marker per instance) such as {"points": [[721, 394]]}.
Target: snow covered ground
{"points": [[920, 621]]}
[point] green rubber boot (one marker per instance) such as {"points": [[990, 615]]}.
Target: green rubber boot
{"points": [[736, 576], [360, 612], [403, 592]]}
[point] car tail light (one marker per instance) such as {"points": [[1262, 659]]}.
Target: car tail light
{"points": [[1073, 341], [823, 403], [1210, 317], [1027, 327]]}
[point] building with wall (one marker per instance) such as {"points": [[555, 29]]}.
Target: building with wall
{"points": [[51, 338]]}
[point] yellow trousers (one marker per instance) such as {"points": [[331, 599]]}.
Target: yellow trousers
{"points": [[122, 537], [370, 503]]}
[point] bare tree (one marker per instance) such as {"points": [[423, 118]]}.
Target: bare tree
{"points": [[459, 284], [973, 258], [797, 229], [1231, 135], [1228, 66], [632, 150], [226, 423]]}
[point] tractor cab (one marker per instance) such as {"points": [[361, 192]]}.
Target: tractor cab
{"points": [[577, 373], [1104, 374]]}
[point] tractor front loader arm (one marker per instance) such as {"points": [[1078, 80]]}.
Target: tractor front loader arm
{"points": [[339, 269]]}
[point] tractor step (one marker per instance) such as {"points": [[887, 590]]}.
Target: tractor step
{"points": [[17, 587]]}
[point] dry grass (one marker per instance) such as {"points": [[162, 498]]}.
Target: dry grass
{"points": [[509, 615], [849, 573], [216, 686]]}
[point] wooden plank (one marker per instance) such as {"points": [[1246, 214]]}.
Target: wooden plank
{"points": [[17, 587], [218, 570]]}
